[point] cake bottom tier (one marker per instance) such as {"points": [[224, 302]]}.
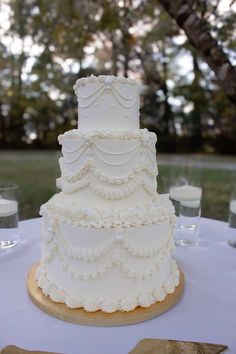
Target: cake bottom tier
{"points": [[107, 269]]}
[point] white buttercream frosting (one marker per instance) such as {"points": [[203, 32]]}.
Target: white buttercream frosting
{"points": [[110, 165], [60, 207], [107, 102], [107, 237], [92, 134], [103, 79], [120, 238], [119, 251], [93, 303]]}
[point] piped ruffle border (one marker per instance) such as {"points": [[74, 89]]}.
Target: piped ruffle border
{"points": [[136, 134], [68, 211]]}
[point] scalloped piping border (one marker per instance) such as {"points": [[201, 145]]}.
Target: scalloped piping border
{"points": [[65, 210], [127, 183], [165, 243], [92, 304], [93, 149], [102, 79], [89, 167], [115, 262], [110, 192]]}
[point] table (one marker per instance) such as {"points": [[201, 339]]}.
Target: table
{"points": [[206, 312]]}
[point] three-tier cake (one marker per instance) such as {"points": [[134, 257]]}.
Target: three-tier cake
{"points": [[107, 237]]}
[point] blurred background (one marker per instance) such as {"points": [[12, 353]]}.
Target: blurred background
{"points": [[187, 97]]}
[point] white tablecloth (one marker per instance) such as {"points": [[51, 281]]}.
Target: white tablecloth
{"points": [[206, 312]]}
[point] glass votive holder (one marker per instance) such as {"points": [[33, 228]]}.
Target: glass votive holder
{"points": [[9, 232], [186, 195]]}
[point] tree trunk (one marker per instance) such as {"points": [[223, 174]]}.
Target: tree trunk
{"points": [[126, 63], [126, 39], [114, 54], [152, 75], [196, 30], [2, 128], [197, 114], [169, 116]]}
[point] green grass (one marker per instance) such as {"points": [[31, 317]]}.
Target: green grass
{"points": [[35, 173]]}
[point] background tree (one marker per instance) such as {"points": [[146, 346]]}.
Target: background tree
{"points": [[198, 33], [46, 46]]}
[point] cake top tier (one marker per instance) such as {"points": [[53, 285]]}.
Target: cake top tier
{"points": [[107, 102]]}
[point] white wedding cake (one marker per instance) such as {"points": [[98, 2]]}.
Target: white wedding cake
{"points": [[107, 237]]}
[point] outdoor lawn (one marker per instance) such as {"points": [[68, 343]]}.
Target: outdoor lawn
{"points": [[35, 173]]}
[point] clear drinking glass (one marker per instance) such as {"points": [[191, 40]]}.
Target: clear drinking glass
{"points": [[232, 217], [9, 233], [186, 195]]}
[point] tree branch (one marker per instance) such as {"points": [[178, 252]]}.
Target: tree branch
{"points": [[196, 30]]}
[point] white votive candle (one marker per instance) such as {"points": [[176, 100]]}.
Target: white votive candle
{"points": [[186, 193], [8, 207], [232, 206], [58, 183]]}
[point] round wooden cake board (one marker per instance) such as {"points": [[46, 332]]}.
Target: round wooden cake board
{"points": [[99, 318]]}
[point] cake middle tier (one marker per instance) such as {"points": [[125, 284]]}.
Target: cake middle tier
{"points": [[107, 168]]}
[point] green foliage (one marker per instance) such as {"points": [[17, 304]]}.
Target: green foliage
{"points": [[59, 41]]}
